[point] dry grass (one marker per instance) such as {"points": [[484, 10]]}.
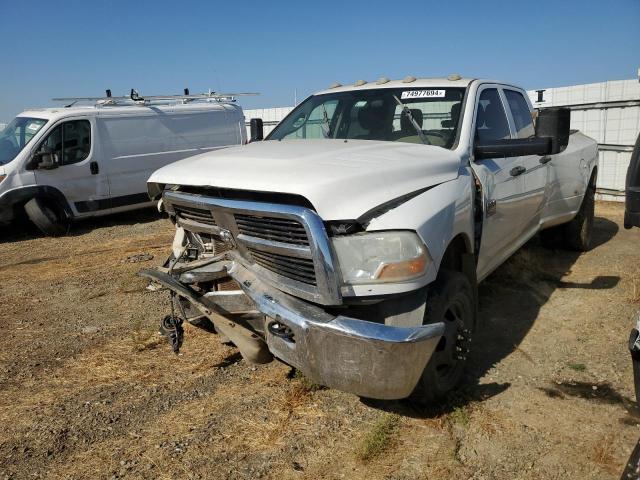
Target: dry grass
{"points": [[306, 383], [635, 295], [603, 454], [379, 438], [143, 339]]}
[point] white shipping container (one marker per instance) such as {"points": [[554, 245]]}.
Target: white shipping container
{"points": [[610, 113]]}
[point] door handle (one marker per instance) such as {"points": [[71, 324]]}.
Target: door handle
{"points": [[519, 170], [95, 169], [545, 159]]}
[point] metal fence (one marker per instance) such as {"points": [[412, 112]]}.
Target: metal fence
{"points": [[609, 112]]}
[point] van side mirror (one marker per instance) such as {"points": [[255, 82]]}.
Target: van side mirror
{"points": [[257, 129], [43, 159], [554, 123]]}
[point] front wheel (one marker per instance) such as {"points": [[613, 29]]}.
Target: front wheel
{"points": [[48, 216], [450, 301]]}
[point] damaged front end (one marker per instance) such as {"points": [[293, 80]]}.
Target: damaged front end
{"points": [[265, 275]]}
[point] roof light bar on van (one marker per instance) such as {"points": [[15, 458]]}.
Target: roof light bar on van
{"points": [[136, 98]]}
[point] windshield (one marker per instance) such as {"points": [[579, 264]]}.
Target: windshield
{"points": [[16, 135], [412, 115]]}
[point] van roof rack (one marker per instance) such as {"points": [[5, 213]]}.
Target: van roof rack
{"points": [[135, 98]]}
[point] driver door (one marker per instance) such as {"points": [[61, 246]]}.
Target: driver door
{"points": [[77, 173]]}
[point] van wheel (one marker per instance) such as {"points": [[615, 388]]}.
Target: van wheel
{"points": [[47, 214], [450, 301]]}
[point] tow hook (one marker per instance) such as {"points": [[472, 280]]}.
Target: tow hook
{"points": [[171, 327], [280, 330]]}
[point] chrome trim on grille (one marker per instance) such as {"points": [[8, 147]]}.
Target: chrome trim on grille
{"points": [[323, 288], [275, 247]]}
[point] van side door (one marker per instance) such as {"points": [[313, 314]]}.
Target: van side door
{"points": [[76, 173], [502, 183]]}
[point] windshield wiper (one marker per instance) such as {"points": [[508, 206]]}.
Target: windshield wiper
{"points": [[407, 111], [326, 130]]}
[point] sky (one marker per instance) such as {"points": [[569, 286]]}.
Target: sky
{"points": [[283, 49]]}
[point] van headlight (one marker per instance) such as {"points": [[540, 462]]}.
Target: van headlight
{"points": [[376, 257]]}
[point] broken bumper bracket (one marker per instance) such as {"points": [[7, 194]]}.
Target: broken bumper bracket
{"points": [[368, 359]]}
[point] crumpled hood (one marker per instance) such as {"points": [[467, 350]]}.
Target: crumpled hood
{"points": [[342, 180]]}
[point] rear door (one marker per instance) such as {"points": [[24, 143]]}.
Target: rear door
{"points": [[502, 181], [537, 170], [79, 176]]}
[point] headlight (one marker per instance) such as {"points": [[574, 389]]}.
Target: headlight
{"points": [[381, 257]]}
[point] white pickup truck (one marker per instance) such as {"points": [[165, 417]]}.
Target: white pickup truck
{"points": [[349, 243]]}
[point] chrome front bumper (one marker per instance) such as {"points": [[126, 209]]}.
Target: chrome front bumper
{"points": [[356, 356]]}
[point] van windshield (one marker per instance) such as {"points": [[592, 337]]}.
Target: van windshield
{"points": [[412, 115], [16, 135]]}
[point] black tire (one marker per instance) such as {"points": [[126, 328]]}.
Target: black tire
{"points": [[578, 231], [48, 216], [576, 234], [450, 300]]}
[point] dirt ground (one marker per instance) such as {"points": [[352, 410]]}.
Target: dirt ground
{"points": [[88, 390]]}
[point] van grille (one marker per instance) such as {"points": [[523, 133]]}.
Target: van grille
{"points": [[272, 228], [199, 215], [300, 269]]}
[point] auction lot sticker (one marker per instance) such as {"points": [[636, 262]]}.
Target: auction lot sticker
{"points": [[422, 94]]}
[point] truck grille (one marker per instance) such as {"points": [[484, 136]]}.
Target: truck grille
{"points": [[199, 215], [285, 243], [300, 269], [274, 229]]}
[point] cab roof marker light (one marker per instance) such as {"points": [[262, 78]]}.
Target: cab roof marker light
{"points": [[359, 83], [409, 79], [453, 77], [382, 81], [335, 85]]}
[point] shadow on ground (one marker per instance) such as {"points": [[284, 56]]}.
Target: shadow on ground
{"points": [[22, 229], [509, 303]]}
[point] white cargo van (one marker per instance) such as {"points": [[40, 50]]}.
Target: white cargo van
{"points": [[61, 164]]}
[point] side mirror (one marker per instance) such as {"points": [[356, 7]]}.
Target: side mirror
{"points": [[512, 147], [43, 159], [554, 123], [257, 129]]}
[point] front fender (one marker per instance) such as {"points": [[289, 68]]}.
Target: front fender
{"points": [[21, 195], [438, 215]]}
